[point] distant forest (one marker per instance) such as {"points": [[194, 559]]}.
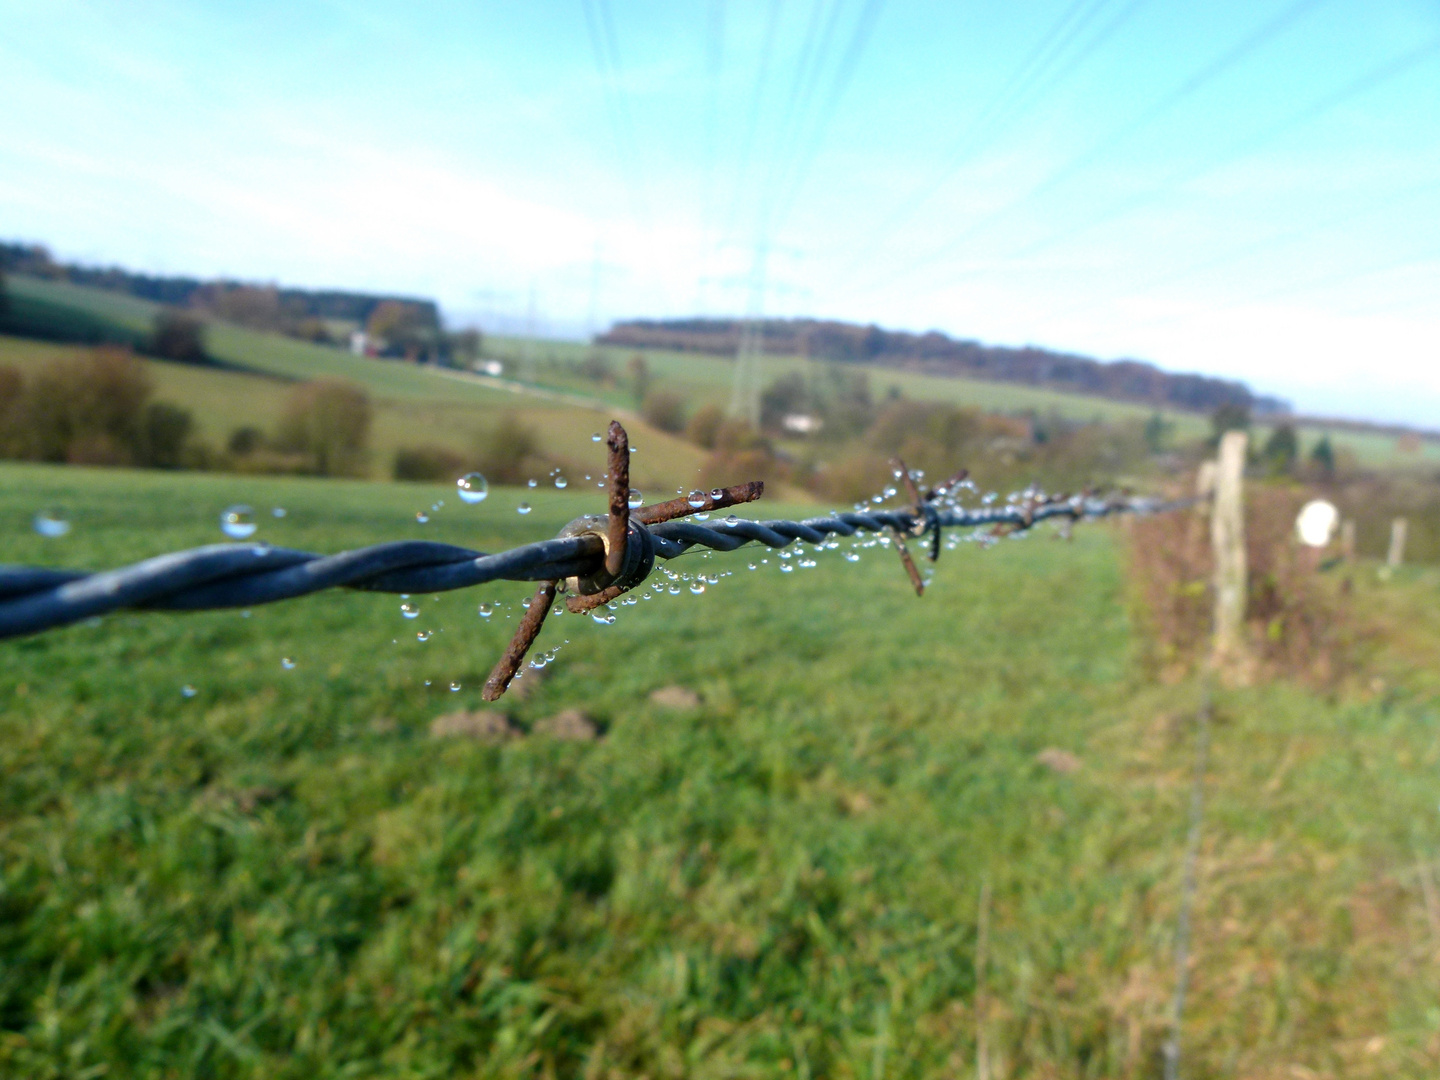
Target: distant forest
{"points": [[283, 308], [937, 353]]}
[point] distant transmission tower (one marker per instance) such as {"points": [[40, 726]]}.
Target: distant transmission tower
{"points": [[745, 390]]}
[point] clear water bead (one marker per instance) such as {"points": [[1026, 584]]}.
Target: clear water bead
{"points": [[287, 663], [603, 618], [421, 516], [532, 483], [561, 483], [52, 522], [187, 691], [472, 488], [409, 610], [424, 635], [523, 508], [697, 499], [278, 512], [697, 587], [486, 610], [237, 522], [595, 437], [635, 499]]}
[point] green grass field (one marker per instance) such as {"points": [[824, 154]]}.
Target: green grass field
{"points": [[418, 399], [284, 875]]}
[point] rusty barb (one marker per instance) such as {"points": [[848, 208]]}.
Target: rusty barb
{"points": [[628, 547], [926, 519]]}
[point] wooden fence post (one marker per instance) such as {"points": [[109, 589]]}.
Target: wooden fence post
{"points": [[1227, 538], [1396, 555]]}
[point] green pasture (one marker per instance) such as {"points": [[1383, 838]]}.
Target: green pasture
{"points": [[548, 381], [285, 875]]}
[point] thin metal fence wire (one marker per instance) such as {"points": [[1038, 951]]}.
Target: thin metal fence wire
{"points": [[597, 558]]}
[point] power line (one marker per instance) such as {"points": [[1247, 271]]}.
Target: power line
{"points": [[844, 73], [1368, 81], [1186, 89], [1019, 93], [604, 43], [714, 65]]}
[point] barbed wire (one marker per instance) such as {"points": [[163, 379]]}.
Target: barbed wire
{"points": [[598, 558]]}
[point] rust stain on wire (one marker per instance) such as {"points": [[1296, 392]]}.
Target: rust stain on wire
{"points": [[525, 635], [619, 525], [715, 500]]}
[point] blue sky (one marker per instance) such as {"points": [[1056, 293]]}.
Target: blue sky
{"points": [[1248, 189]]}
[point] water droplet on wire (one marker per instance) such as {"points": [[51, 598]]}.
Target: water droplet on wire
{"points": [[52, 522], [523, 508], [472, 488], [410, 611], [635, 499], [237, 522]]}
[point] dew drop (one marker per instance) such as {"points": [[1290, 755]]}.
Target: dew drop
{"points": [[697, 587], [595, 437], [852, 556], [532, 483], [523, 508], [674, 590], [561, 483], [278, 512], [472, 488], [603, 618], [410, 611], [786, 568], [421, 516], [486, 610], [237, 522], [697, 499], [424, 635], [287, 664], [187, 691], [454, 686], [52, 522], [635, 499]]}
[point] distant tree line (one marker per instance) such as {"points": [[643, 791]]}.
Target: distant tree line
{"points": [[1128, 380], [302, 313]]}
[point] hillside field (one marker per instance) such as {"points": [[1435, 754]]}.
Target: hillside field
{"points": [[285, 875], [418, 403]]}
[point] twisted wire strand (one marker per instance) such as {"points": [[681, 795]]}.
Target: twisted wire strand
{"points": [[221, 576]]}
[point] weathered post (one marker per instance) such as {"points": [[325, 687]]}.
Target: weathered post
{"points": [[1227, 538], [1396, 555]]}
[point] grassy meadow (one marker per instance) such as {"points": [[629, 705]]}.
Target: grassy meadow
{"points": [[547, 388], [284, 874]]}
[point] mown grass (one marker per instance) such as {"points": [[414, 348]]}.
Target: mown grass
{"points": [[284, 875]]}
